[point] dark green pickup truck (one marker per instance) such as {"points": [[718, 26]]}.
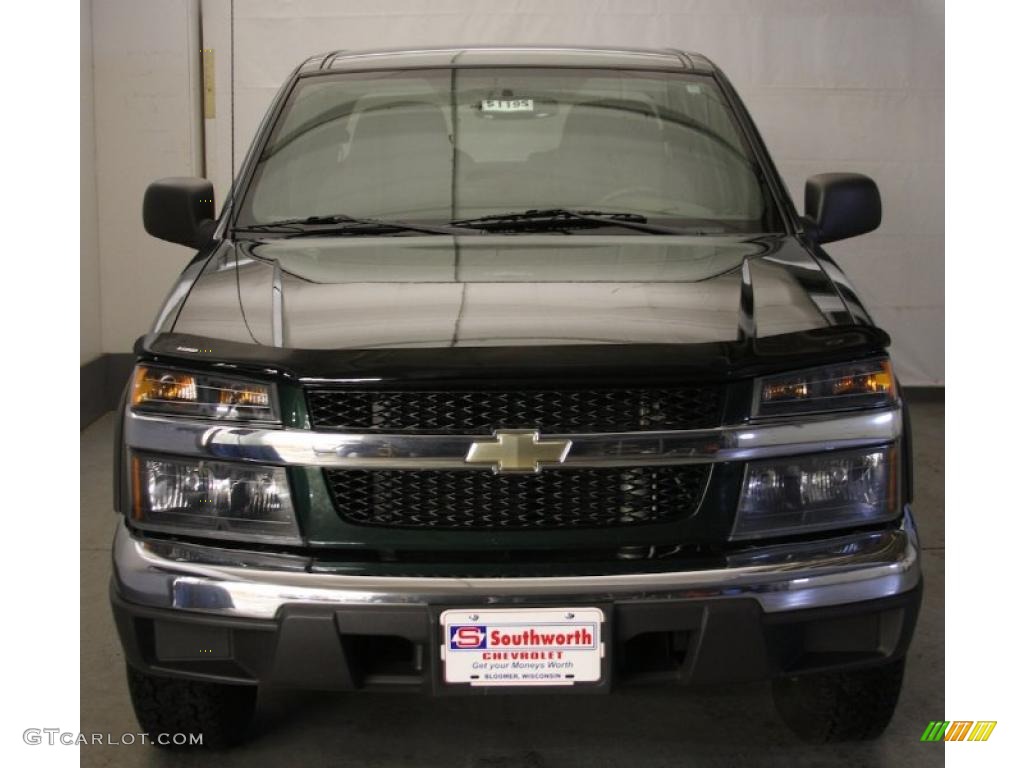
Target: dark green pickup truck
{"points": [[512, 370]]}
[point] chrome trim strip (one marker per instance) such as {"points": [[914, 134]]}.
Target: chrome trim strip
{"points": [[300, 447], [343, 55], [833, 571]]}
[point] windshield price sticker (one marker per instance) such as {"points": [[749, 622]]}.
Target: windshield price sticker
{"points": [[549, 646], [506, 105]]}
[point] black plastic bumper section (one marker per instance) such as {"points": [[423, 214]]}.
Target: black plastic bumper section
{"points": [[389, 647]]}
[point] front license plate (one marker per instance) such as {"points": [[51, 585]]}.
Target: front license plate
{"points": [[522, 646]]}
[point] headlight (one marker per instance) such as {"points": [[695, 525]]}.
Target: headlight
{"points": [[209, 498], [818, 492], [863, 384], [183, 393]]}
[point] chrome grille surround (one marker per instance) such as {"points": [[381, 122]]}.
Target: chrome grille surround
{"points": [[303, 447]]}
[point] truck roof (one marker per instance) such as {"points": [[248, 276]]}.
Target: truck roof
{"points": [[507, 56]]}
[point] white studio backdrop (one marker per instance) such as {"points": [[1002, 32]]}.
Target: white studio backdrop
{"points": [[834, 85]]}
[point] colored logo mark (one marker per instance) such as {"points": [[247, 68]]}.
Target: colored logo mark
{"points": [[958, 730], [467, 636]]}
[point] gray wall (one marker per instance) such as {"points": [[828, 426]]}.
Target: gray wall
{"points": [[140, 124], [89, 277]]}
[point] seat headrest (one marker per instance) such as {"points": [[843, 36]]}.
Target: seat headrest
{"points": [[399, 121], [611, 117]]}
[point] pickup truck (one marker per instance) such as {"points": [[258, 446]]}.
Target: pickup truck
{"points": [[512, 370]]}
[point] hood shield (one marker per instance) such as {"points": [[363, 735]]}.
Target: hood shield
{"points": [[712, 361]]}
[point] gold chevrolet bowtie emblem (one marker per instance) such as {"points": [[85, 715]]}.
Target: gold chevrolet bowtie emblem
{"points": [[518, 450]]}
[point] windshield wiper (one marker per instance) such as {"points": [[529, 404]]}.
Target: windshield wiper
{"points": [[342, 224], [516, 221], [552, 218]]}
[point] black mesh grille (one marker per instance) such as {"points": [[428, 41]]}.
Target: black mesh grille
{"points": [[481, 500], [481, 412]]}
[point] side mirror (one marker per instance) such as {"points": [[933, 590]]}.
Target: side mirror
{"points": [[180, 210], [842, 205]]}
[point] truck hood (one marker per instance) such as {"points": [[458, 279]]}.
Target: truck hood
{"points": [[500, 291]]}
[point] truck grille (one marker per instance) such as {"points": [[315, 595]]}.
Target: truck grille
{"points": [[553, 499], [482, 412]]}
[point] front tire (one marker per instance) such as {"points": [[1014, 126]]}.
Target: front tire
{"points": [[847, 705], [221, 713]]}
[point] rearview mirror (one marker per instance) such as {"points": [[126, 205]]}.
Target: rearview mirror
{"points": [[842, 205], [180, 210]]}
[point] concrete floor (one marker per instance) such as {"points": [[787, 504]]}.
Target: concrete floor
{"points": [[725, 726]]}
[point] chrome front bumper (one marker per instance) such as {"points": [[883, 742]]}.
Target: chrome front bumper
{"points": [[211, 580]]}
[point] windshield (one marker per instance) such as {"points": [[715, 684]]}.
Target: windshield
{"points": [[454, 144]]}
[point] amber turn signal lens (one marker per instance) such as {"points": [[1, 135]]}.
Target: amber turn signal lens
{"points": [[877, 381], [860, 384], [206, 395], [163, 386]]}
